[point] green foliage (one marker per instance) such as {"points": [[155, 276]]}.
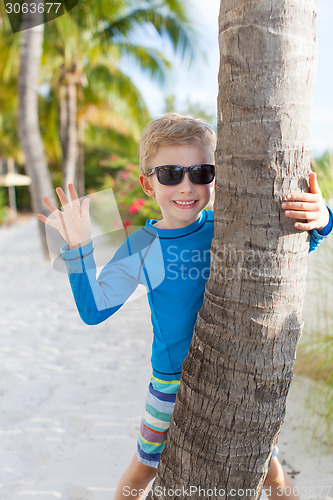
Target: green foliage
{"points": [[324, 168], [168, 18], [23, 199], [191, 108], [315, 352], [122, 175], [9, 49], [3, 204], [88, 44]]}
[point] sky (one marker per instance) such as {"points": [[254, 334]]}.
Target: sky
{"points": [[199, 83]]}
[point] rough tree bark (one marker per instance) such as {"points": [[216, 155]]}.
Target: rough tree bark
{"points": [[232, 397]]}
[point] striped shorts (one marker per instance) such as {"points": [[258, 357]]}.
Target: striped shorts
{"points": [[156, 420]]}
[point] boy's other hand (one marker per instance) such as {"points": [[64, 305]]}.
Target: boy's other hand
{"points": [[73, 221], [308, 206]]}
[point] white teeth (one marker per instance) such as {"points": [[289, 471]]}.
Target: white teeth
{"points": [[185, 202]]}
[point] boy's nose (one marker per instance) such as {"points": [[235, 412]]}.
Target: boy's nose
{"points": [[186, 184]]}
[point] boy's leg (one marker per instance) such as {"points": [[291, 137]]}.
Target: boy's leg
{"points": [[278, 485], [151, 439], [135, 480]]}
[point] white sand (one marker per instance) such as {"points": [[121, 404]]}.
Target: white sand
{"points": [[72, 395]]}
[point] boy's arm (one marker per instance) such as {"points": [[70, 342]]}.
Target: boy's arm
{"points": [[98, 298], [311, 207]]}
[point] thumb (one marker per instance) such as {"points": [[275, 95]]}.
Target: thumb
{"points": [[85, 207], [313, 183]]}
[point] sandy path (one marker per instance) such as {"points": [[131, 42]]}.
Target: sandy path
{"points": [[72, 395]]}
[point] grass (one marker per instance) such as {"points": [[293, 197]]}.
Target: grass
{"points": [[315, 352]]}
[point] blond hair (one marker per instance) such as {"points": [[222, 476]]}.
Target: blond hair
{"points": [[174, 128]]}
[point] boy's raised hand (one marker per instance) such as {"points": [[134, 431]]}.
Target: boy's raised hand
{"points": [[308, 206], [73, 221]]}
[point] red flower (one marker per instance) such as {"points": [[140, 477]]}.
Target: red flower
{"points": [[126, 223], [133, 208], [114, 157], [122, 194], [124, 175], [136, 205]]}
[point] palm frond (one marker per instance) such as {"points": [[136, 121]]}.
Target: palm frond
{"points": [[150, 60], [109, 85], [167, 25], [69, 31]]}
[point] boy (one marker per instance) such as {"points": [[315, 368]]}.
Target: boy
{"points": [[177, 168]]}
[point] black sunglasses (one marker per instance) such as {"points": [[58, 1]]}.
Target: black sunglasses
{"points": [[170, 175]]}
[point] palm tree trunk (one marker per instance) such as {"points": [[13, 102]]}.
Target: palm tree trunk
{"points": [[62, 98], [80, 177], [28, 124], [232, 397], [11, 190], [68, 132]]}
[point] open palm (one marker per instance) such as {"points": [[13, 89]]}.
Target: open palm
{"points": [[72, 220]]}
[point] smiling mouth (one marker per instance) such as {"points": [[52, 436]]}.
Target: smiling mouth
{"points": [[185, 203]]}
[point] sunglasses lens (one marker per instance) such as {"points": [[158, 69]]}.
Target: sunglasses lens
{"points": [[202, 174], [170, 175]]}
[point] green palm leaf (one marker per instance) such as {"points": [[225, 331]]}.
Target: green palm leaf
{"points": [[150, 60], [166, 24]]}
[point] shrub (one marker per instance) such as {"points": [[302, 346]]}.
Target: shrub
{"points": [[122, 176]]}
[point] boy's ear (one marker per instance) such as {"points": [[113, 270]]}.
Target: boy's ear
{"points": [[146, 186]]}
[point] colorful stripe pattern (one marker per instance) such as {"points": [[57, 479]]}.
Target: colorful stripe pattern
{"points": [[156, 420], [154, 426]]}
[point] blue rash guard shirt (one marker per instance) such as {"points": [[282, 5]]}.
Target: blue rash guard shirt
{"points": [[173, 265]]}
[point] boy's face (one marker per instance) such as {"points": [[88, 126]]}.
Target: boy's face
{"points": [[176, 215]]}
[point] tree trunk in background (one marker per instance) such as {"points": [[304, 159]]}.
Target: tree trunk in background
{"points": [[63, 120], [232, 397], [80, 177], [28, 124], [68, 129], [11, 190]]}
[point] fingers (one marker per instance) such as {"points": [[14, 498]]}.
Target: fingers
{"points": [[85, 207], [309, 197], [305, 226], [296, 214], [75, 200], [296, 205], [50, 205], [314, 194], [62, 197], [42, 218], [74, 195], [313, 183], [47, 220]]}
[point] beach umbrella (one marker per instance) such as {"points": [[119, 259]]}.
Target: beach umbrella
{"points": [[10, 180]]}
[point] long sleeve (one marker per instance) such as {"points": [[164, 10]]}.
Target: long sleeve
{"points": [[317, 237], [98, 298], [139, 260]]}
